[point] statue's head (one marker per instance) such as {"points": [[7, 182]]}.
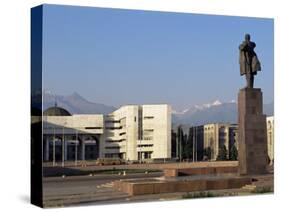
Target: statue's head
{"points": [[247, 37]]}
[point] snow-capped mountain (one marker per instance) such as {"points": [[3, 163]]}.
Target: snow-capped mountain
{"points": [[202, 107], [216, 111]]}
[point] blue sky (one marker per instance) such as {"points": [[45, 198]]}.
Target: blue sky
{"points": [[119, 57]]}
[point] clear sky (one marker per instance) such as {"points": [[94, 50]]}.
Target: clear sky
{"points": [[119, 57]]}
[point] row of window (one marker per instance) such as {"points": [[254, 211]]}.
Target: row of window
{"points": [[148, 130], [93, 128], [114, 128], [87, 128], [148, 117], [112, 121], [145, 145], [119, 140]]}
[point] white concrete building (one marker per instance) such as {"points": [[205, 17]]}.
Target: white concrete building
{"points": [[132, 132], [213, 136], [138, 132], [217, 135]]}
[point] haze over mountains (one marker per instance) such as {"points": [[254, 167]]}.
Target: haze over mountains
{"points": [[213, 112], [75, 104], [196, 115]]}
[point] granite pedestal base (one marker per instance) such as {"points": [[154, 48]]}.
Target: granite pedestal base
{"points": [[252, 136]]}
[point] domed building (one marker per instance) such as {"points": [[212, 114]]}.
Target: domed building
{"points": [[56, 111], [132, 132], [68, 137]]}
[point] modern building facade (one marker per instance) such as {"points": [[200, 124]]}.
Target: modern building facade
{"points": [[132, 132], [138, 132], [216, 135], [71, 137], [211, 137]]}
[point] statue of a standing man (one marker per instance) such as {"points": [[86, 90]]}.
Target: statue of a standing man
{"points": [[249, 63]]}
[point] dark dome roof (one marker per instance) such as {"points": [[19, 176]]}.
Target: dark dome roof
{"points": [[56, 111]]}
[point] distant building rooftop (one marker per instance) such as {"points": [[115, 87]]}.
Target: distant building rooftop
{"points": [[56, 111]]}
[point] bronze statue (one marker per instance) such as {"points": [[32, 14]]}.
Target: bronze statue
{"points": [[249, 63]]}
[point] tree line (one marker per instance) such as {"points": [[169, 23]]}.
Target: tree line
{"points": [[184, 148]]}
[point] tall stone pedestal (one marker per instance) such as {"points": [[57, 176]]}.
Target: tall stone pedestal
{"points": [[252, 136]]}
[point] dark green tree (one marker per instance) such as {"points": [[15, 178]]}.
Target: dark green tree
{"points": [[180, 146], [222, 153], [207, 153], [188, 146], [233, 155], [183, 145], [188, 151]]}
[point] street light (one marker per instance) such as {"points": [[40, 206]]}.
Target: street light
{"points": [[180, 141], [76, 143], [63, 144], [195, 147], [54, 148], [193, 141], [62, 147]]}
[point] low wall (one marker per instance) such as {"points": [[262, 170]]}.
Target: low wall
{"points": [[134, 187], [199, 171]]}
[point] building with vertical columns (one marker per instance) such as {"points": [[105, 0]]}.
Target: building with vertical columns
{"points": [[211, 137], [216, 135], [270, 137], [70, 137], [133, 132]]}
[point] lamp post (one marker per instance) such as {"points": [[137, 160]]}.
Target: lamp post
{"points": [[180, 141], [54, 148], [76, 143], [62, 147], [193, 145], [140, 152], [177, 144], [196, 144]]}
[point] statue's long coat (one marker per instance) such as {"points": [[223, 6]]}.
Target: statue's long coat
{"points": [[249, 61]]}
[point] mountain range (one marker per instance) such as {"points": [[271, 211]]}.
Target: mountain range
{"points": [[213, 112], [216, 111], [75, 104]]}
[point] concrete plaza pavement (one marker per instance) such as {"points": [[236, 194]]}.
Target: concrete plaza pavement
{"points": [[98, 189], [63, 191]]}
